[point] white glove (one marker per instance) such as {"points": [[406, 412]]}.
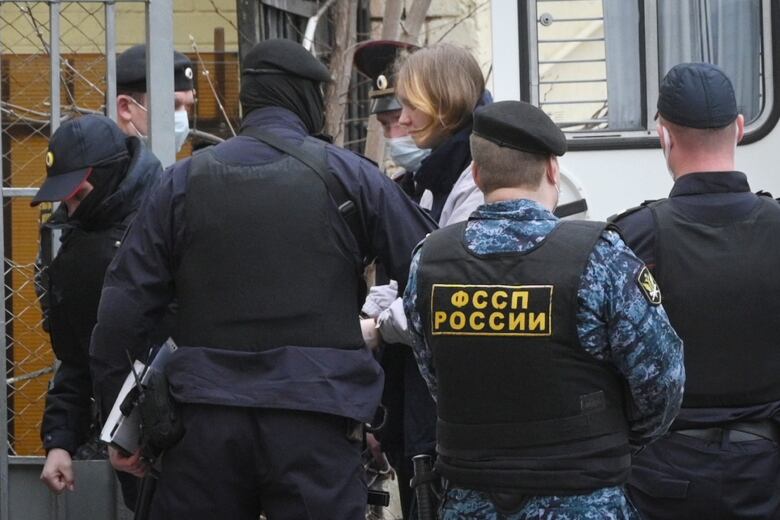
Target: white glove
{"points": [[392, 324], [379, 298]]}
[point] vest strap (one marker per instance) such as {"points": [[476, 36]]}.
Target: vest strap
{"points": [[529, 434], [346, 206]]}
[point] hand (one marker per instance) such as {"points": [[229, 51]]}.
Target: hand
{"points": [[371, 336], [132, 464], [57, 471], [376, 450]]}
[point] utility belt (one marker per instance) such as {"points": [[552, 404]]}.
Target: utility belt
{"points": [[742, 431]]}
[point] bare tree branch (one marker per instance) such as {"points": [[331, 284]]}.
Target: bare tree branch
{"points": [[466, 17], [205, 71]]}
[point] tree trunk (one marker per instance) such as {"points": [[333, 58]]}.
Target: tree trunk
{"points": [[345, 28], [415, 18]]}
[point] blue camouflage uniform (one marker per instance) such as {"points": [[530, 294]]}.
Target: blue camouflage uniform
{"points": [[616, 323]]}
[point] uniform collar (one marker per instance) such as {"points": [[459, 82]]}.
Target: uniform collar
{"points": [[275, 117], [710, 182], [517, 209]]}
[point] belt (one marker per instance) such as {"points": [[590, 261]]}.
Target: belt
{"points": [[736, 432]]}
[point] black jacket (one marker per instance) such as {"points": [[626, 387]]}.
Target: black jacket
{"points": [[73, 283]]}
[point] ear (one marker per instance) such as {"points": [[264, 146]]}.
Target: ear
{"points": [[553, 171], [123, 108], [740, 127], [665, 136], [476, 174]]}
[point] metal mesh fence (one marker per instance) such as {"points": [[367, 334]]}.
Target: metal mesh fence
{"points": [[26, 105]]}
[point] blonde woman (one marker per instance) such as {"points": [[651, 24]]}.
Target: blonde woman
{"points": [[439, 87]]}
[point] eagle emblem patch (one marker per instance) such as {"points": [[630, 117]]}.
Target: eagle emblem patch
{"points": [[649, 286]]}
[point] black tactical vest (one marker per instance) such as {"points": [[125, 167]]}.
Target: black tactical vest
{"points": [[262, 265], [521, 405], [721, 290], [75, 282]]}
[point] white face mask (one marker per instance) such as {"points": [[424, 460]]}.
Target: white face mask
{"points": [[405, 153], [181, 127]]}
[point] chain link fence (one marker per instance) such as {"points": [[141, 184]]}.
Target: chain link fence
{"points": [[86, 31], [26, 49]]}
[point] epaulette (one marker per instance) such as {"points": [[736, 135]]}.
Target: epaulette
{"points": [[630, 211], [762, 193]]}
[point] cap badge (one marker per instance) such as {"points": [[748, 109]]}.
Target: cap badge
{"points": [[381, 82], [188, 72], [49, 159]]}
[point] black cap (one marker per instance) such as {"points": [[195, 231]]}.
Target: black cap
{"points": [[131, 70], [76, 147], [697, 95], [283, 56], [519, 125], [376, 59]]}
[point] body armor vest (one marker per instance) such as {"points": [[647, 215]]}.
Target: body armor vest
{"points": [[720, 289], [521, 406], [262, 266]]}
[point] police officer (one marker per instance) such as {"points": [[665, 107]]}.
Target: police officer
{"points": [[410, 424], [378, 60], [100, 176], [271, 373], [132, 115], [713, 247], [132, 120], [543, 341]]}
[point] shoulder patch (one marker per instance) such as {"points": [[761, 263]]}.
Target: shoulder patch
{"points": [[649, 286]]}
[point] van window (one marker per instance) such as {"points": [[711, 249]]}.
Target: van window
{"points": [[596, 64]]}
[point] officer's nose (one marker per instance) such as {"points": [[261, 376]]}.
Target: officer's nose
{"points": [[404, 119]]}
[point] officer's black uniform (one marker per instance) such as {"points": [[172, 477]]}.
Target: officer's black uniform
{"points": [[713, 248], [271, 371], [90, 238]]}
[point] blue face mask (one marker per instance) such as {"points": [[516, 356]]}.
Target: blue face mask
{"points": [[181, 128], [405, 153]]}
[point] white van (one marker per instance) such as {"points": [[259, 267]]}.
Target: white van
{"points": [[595, 65]]}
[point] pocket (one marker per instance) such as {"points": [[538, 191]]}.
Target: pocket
{"points": [[657, 484]]}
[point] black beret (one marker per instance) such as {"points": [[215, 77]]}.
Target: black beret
{"points": [[376, 59], [283, 56], [131, 70], [519, 125], [697, 95]]}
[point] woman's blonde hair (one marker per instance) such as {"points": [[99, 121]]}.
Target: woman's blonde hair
{"points": [[444, 82]]}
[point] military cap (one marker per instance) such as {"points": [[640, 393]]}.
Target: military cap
{"points": [[131, 70], [519, 125], [697, 95], [376, 59], [281, 56], [75, 148]]}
